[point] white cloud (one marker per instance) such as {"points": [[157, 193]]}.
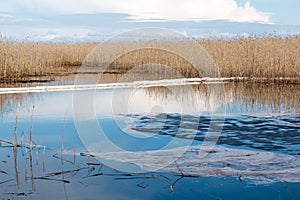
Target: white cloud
{"points": [[154, 9]]}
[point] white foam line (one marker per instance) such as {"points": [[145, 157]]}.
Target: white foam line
{"points": [[136, 84]]}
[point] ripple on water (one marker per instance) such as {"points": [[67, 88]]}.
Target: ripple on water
{"points": [[277, 133]]}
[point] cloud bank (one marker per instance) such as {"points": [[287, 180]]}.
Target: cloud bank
{"points": [[145, 10]]}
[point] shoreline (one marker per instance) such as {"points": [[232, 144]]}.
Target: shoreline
{"points": [[144, 84]]}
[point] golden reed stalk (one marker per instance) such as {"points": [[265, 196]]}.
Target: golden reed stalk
{"points": [[262, 57]]}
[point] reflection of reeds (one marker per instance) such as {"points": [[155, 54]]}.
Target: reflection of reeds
{"points": [[10, 102], [16, 169], [15, 129], [31, 170], [274, 97], [15, 145], [62, 159], [30, 131], [43, 158]]}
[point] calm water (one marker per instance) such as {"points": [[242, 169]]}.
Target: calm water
{"points": [[238, 141]]}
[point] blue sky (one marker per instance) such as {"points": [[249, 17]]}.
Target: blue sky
{"points": [[99, 19], [284, 12]]}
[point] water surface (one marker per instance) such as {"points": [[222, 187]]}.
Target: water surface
{"points": [[161, 132]]}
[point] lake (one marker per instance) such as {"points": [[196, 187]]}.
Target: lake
{"points": [[196, 140]]}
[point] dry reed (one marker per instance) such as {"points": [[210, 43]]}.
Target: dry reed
{"points": [[20, 60], [266, 57], [269, 57]]}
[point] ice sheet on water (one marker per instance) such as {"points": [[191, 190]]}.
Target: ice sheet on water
{"points": [[165, 82], [259, 167]]}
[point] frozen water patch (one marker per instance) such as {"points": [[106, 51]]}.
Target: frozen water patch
{"points": [[134, 84], [258, 167]]}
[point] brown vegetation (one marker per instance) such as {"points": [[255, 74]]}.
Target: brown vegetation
{"points": [[267, 57], [20, 60]]}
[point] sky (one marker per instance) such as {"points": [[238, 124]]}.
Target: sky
{"points": [[100, 19]]}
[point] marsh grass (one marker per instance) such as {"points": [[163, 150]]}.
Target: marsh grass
{"points": [[267, 57], [271, 57], [22, 60]]}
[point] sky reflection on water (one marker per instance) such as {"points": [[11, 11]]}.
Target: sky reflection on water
{"points": [[255, 122]]}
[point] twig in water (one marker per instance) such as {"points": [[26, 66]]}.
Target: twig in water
{"points": [[24, 143], [43, 159], [143, 185], [3, 172], [74, 155], [16, 169], [10, 180], [57, 156], [240, 178], [87, 155], [31, 169], [30, 131], [52, 179], [172, 185], [64, 172], [182, 175], [7, 142], [15, 129], [36, 158], [289, 191]]}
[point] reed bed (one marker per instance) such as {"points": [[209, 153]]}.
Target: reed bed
{"points": [[21, 60], [268, 57]]}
